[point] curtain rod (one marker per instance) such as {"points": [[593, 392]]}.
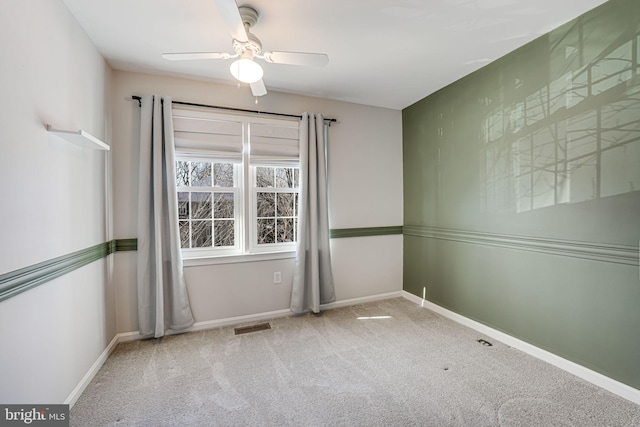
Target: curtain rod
{"points": [[192, 104]]}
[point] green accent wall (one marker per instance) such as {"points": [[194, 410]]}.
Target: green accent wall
{"points": [[522, 193]]}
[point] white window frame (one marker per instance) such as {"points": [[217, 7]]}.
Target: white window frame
{"points": [[254, 247], [238, 200], [245, 226]]}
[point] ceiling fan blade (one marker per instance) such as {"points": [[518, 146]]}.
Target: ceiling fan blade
{"points": [[297, 58], [187, 56], [258, 88], [230, 13]]}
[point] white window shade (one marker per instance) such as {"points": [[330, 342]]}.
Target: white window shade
{"points": [[206, 135], [273, 144]]}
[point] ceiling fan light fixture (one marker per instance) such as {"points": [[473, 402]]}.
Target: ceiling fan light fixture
{"points": [[246, 69]]}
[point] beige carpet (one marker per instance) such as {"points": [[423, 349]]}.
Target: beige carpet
{"points": [[398, 365]]}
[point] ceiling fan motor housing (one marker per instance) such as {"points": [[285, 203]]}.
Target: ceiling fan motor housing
{"points": [[253, 45], [249, 18]]}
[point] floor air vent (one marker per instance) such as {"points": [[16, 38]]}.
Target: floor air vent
{"points": [[252, 328]]}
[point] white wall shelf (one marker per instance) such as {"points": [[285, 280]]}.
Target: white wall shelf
{"points": [[80, 138]]}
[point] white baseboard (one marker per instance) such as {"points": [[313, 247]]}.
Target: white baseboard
{"points": [[229, 321], [209, 324], [361, 300], [580, 371], [84, 382], [129, 336]]}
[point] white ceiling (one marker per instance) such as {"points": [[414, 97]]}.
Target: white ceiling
{"points": [[386, 53]]}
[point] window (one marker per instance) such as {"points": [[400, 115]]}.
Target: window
{"points": [[237, 180], [207, 198], [275, 197]]}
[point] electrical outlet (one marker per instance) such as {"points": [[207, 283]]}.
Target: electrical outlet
{"points": [[277, 277]]}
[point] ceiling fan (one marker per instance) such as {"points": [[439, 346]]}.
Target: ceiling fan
{"points": [[247, 47]]}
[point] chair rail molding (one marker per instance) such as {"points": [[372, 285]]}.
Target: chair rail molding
{"points": [[606, 252], [339, 233], [18, 281]]}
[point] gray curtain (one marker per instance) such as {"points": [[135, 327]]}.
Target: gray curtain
{"points": [[163, 302], [312, 279]]}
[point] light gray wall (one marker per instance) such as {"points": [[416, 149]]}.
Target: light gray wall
{"points": [[53, 199], [522, 193], [365, 156]]}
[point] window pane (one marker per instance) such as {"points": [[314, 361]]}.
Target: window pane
{"points": [[200, 205], [285, 204], [264, 177], [183, 205], [285, 230], [266, 231], [284, 178], [184, 234], [224, 233], [182, 174], [201, 234], [223, 174], [296, 177], [200, 174], [266, 205], [223, 205], [296, 208]]}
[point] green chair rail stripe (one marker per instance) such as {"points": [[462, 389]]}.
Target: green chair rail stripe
{"points": [[126, 245], [606, 252], [18, 281], [338, 233]]}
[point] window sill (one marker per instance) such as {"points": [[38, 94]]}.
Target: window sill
{"points": [[234, 259]]}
